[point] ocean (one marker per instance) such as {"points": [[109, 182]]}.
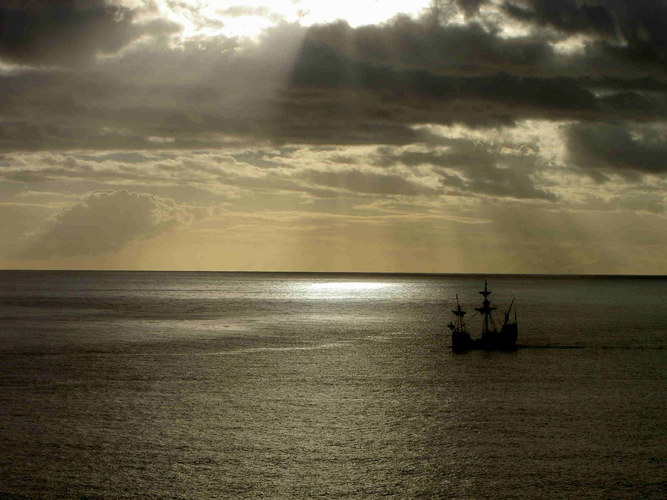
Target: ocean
{"points": [[272, 385]]}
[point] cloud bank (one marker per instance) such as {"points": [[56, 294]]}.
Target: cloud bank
{"points": [[105, 222]]}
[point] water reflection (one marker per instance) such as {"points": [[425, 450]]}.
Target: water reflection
{"points": [[349, 285], [346, 290]]}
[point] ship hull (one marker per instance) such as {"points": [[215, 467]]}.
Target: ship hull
{"points": [[462, 342], [503, 340]]}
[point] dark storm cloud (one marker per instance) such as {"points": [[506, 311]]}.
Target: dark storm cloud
{"points": [[640, 24], [387, 79], [105, 222], [631, 40], [357, 96], [348, 81], [636, 20], [69, 31], [411, 71], [186, 96], [328, 84], [420, 44], [566, 15], [624, 148]]}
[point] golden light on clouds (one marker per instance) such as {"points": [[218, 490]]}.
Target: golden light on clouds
{"points": [[249, 18]]}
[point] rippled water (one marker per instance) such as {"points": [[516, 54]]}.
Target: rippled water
{"points": [[201, 385]]}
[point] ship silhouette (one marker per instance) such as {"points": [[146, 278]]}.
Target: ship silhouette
{"points": [[492, 339]]}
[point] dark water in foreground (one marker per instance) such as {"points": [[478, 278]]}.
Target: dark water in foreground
{"points": [[202, 385]]}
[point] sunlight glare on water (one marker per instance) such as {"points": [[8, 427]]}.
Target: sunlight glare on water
{"points": [[351, 286], [345, 290]]}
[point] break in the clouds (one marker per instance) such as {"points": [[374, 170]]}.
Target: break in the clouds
{"points": [[527, 123]]}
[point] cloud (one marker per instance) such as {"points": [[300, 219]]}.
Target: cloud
{"points": [[244, 10], [104, 222], [532, 161], [469, 166], [369, 182], [470, 7], [618, 147], [373, 83], [421, 44], [476, 105], [565, 15], [631, 31], [201, 93], [69, 32], [328, 84]]}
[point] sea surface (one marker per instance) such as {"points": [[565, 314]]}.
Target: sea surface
{"points": [[251, 385]]}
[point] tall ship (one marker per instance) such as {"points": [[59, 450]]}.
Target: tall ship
{"points": [[491, 339]]}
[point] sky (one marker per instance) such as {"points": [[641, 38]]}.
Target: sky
{"points": [[462, 136]]}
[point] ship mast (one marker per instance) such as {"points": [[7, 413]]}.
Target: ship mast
{"points": [[485, 309], [459, 313]]}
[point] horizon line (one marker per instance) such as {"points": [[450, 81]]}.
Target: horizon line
{"points": [[389, 273]]}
